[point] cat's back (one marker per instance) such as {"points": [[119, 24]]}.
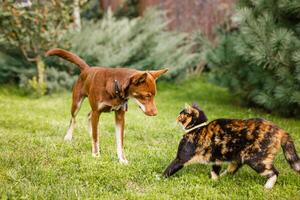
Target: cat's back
{"points": [[241, 126], [235, 123]]}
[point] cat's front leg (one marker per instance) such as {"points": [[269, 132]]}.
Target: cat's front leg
{"points": [[185, 153], [173, 168], [232, 168], [215, 171]]}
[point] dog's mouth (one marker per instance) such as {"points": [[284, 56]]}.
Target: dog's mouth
{"points": [[146, 110], [150, 113]]}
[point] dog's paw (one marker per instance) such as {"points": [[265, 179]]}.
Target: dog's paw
{"points": [[68, 137], [96, 155], [123, 161]]}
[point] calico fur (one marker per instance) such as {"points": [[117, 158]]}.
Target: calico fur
{"points": [[253, 142]]}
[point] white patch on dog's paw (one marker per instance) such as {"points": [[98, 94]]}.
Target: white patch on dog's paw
{"points": [[95, 155], [123, 161], [68, 137]]}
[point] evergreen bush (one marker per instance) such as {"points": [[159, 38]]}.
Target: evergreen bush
{"points": [[12, 65], [141, 43], [33, 29], [261, 61]]}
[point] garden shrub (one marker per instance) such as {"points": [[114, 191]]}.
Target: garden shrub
{"points": [[141, 43], [32, 30], [260, 62], [12, 66], [59, 80]]}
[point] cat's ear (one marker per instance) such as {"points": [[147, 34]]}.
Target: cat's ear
{"points": [[195, 105], [187, 106]]}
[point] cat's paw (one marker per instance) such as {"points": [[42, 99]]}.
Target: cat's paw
{"points": [[214, 176]]}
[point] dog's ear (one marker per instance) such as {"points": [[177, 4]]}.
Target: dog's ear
{"points": [[139, 78], [134, 79], [157, 73]]}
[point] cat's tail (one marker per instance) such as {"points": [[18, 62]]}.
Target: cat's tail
{"points": [[290, 152]]}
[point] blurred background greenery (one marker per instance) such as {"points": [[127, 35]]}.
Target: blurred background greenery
{"points": [[250, 47]]}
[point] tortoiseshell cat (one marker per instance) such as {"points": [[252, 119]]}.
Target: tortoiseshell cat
{"points": [[254, 142]]}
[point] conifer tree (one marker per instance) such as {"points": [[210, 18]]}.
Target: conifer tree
{"points": [[261, 61]]}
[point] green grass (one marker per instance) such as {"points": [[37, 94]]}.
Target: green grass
{"points": [[35, 162]]}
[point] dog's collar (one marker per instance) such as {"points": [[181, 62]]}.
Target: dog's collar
{"points": [[195, 127], [117, 88], [118, 93]]}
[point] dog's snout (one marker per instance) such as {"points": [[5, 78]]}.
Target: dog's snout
{"points": [[151, 112], [154, 111]]}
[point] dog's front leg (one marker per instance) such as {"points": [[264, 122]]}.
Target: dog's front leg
{"points": [[95, 141], [120, 119]]}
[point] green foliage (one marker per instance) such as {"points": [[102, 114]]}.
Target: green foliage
{"points": [[260, 62], [142, 43], [33, 30], [59, 80], [37, 83], [36, 163], [55, 80], [90, 10], [12, 65], [129, 9]]}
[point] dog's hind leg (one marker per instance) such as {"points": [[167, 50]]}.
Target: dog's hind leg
{"points": [[119, 118], [77, 99]]}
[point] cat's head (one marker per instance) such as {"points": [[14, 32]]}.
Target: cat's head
{"points": [[191, 116]]}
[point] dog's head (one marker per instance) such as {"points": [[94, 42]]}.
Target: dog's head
{"points": [[142, 89], [191, 116]]}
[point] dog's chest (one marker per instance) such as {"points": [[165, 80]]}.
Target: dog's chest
{"points": [[122, 106]]}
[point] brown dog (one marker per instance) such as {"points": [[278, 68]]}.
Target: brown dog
{"points": [[108, 89]]}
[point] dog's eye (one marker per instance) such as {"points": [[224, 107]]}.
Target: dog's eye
{"points": [[137, 95], [147, 96]]}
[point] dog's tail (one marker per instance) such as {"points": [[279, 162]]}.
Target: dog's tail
{"points": [[290, 152], [68, 56]]}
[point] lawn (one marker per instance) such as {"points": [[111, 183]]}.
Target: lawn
{"points": [[35, 162]]}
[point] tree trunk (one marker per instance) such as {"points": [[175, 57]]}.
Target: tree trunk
{"points": [[38, 83], [76, 15]]}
